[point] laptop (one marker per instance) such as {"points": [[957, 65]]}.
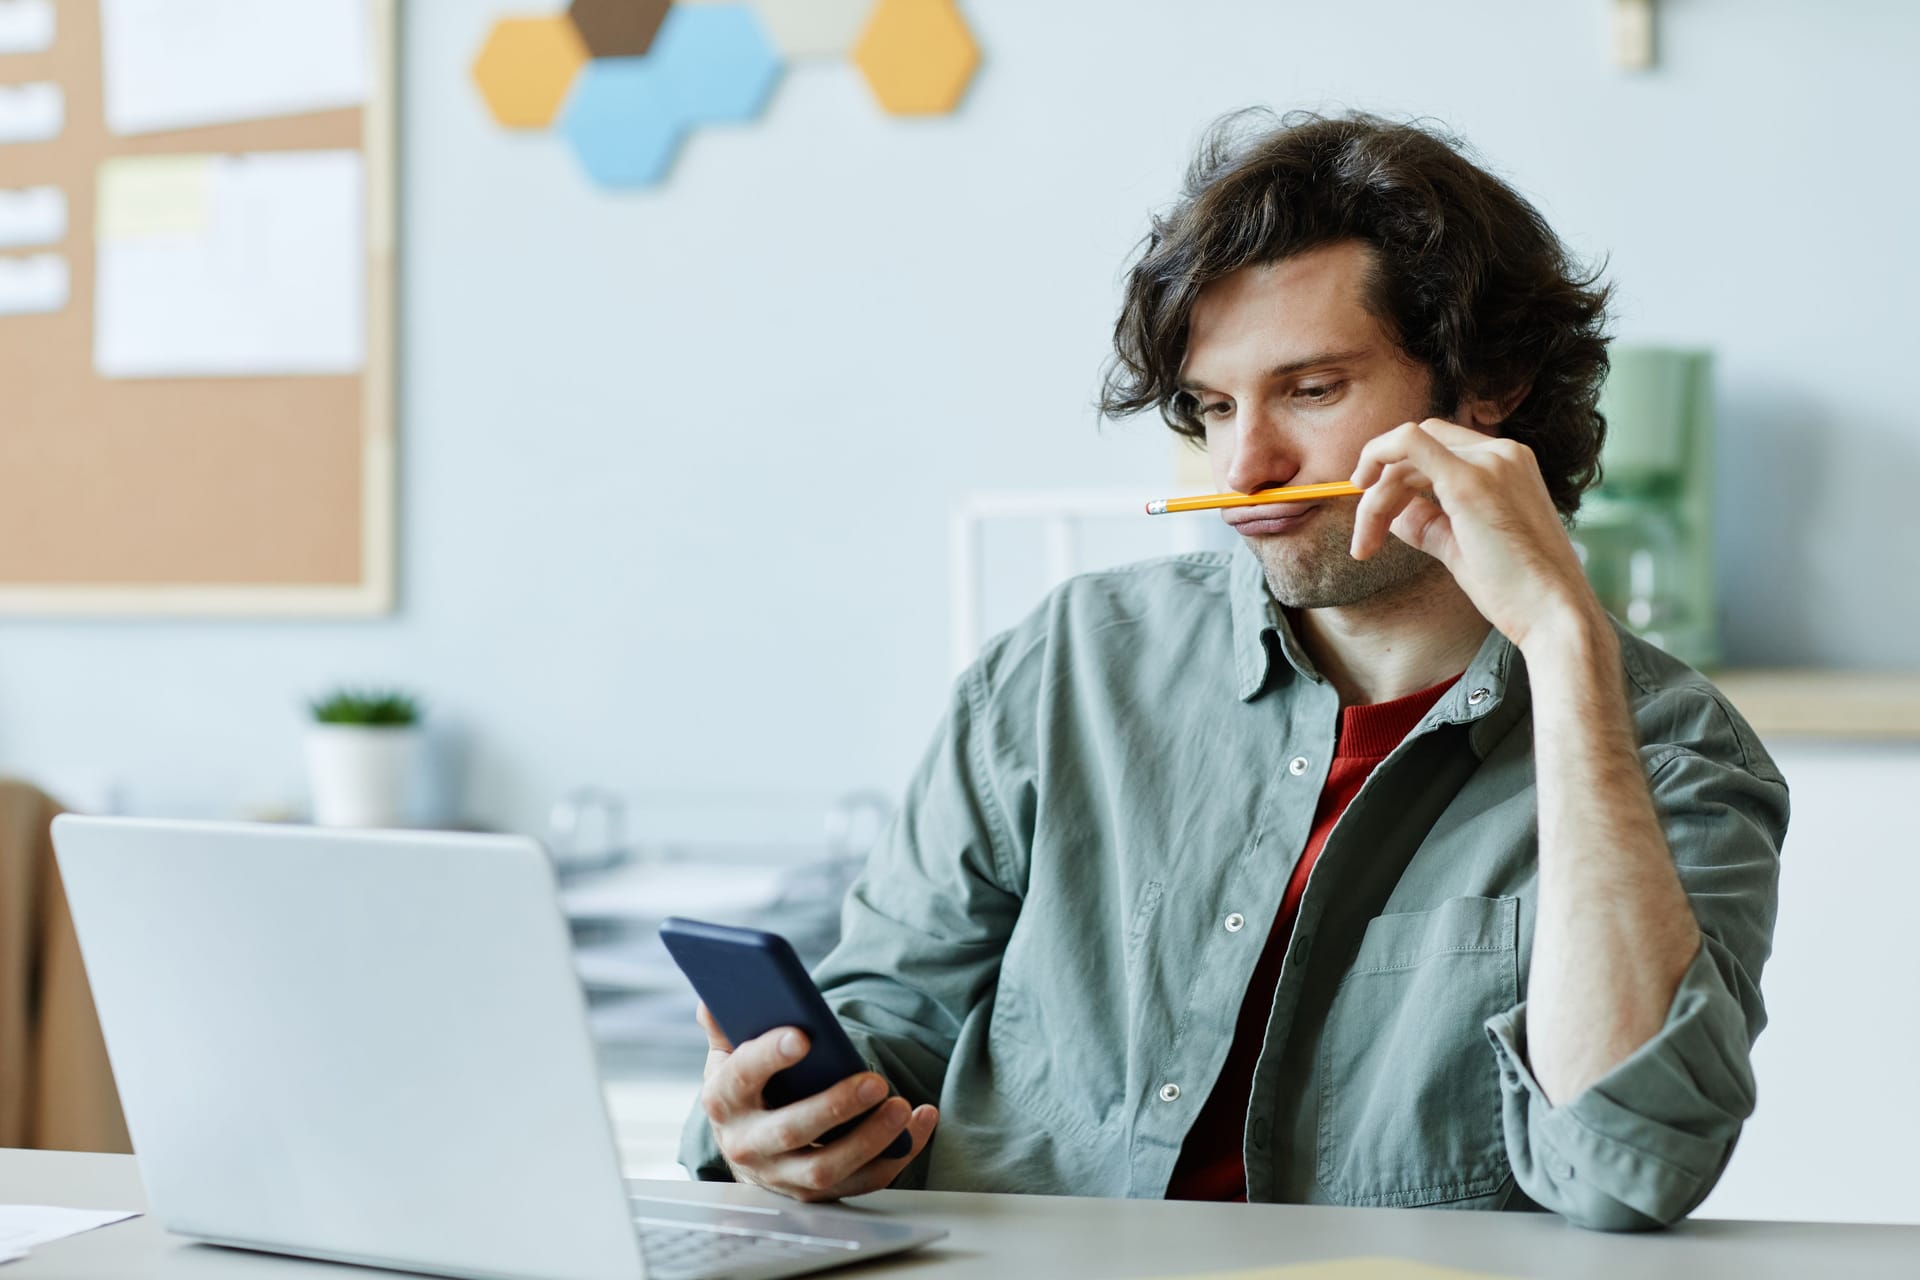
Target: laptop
{"points": [[370, 1047]]}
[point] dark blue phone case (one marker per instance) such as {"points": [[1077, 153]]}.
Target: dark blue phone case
{"points": [[751, 982]]}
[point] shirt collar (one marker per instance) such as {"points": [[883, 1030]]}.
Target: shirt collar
{"points": [[1255, 618], [1261, 629], [1495, 681]]}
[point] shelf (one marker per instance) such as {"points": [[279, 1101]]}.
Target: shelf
{"points": [[1881, 705]]}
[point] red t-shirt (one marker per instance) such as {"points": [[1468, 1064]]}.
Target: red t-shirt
{"points": [[1212, 1164]]}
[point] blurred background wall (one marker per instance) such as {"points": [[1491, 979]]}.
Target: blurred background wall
{"points": [[677, 463]]}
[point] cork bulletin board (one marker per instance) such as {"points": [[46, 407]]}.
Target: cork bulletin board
{"points": [[157, 456]]}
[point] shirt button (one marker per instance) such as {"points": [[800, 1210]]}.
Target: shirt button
{"points": [[1235, 922], [1297, 766], [1169, 1092], [1563, 1171], [1477, 697], [1300, 945]]}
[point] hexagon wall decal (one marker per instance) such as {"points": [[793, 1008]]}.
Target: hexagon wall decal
{"points": [[618, 28], [525, 68], [623, 122], [628, 79], [917, 56], [814, 28], [717, 62]]}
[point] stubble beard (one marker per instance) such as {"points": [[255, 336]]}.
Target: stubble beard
{"points": [[1313, 569]]}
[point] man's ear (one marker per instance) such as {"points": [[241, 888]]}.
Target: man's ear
{"points": [[1485, 413]]}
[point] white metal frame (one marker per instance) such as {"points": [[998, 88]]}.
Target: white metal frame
{"points": [[1060, 512]]}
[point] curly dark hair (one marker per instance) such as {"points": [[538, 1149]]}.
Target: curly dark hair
{"points": [[1468, 277]]}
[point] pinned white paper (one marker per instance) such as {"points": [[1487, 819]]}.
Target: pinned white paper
{"points": [[239, 266], [32, 285], [26, 26], [179, 64], [31, 112], [32, 216]]}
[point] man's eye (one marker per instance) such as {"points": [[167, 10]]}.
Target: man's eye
{"points": [[1217, 410], [1319, 393]]}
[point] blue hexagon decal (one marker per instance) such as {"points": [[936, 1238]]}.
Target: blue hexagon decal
{"points": [[717, 61], [624, 121]]}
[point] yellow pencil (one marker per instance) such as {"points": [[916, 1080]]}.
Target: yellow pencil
{"points": [[1294, 493]]}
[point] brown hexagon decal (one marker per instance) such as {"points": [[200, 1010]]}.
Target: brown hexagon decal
{"points": [[618, 28]]}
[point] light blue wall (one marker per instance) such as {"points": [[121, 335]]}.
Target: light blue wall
{"points": [[847, 320]]}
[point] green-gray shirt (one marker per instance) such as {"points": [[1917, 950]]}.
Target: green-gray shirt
{"points": [[1046, 943]]}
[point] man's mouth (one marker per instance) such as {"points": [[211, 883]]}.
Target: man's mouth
{"points": [[1269, 518]]}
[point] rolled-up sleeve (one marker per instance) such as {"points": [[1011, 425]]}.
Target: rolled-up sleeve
{"points": [[923, 929], [1642, 1146]]}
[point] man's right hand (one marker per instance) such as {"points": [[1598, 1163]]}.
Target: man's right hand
{"points": [[778, 1149]]}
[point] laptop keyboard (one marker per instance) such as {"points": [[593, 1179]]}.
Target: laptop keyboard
{"points": [[676, 1251]]}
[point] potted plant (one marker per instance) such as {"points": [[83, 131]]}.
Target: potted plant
{"points": [[363, 749]]}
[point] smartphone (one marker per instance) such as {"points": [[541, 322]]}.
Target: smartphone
{"points": [[751, 982]]}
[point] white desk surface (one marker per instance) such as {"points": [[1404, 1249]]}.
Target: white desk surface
{"points": [[1002, 1237]]}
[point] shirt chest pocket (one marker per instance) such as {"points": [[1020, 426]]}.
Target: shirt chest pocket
{"points": [[1409, 1090]]}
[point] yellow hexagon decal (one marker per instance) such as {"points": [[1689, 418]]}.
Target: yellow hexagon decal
{"points": [[526, 67], [917, 56]]}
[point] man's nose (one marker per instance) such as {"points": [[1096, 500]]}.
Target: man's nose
{"points": [[1262, 455]]}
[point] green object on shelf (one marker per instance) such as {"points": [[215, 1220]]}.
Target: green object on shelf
{"points": [[1645, 533], [366, 707]]}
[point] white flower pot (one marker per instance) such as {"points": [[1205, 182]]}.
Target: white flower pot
{"points": [[361, 775]]}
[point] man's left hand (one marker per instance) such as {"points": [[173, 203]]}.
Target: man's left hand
{"points": [[1477, 504]]}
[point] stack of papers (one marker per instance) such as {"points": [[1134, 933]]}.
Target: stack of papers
{"points": [[653, 890], [636, 995]]}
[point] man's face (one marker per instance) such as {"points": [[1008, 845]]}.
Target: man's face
{"points": [[1292, 375]]}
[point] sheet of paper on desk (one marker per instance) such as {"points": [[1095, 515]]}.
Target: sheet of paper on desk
{"points": [[177, 64], [25, 1226], [1350, 1269], [233, 265]]}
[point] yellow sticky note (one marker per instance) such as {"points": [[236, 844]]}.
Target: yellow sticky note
{"points": [[1351, 1269], [154, 196]]}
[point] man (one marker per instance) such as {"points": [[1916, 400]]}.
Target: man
{"points": [[1371, 865]]}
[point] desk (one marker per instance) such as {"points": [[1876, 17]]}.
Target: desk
{"points": [[999, 1237]]}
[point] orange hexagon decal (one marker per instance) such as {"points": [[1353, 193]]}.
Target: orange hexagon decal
{"points": [[918, 56], [526, 67]]}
